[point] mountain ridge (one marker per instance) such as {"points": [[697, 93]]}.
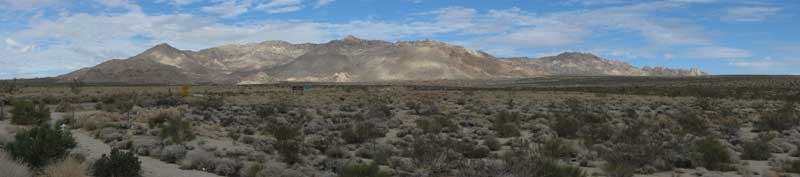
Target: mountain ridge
{"points": [[345, 60]]}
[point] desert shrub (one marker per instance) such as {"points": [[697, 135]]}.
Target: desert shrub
{"points": [[278, 170], [40, 145], [11, 168], [437, 124], [198, 159], [557, 148], [289, 151], [426, 149], [641, 145], [264, 111], [691, 122], [27, 113], [65, 106], [117, 164], [567, 126], [69, 167], [492, 143], [336, 152], [525, 163], [379, 109], [251, 169], [362, 170], [176, 131], [478, 152], [210, 102], [757, 150], [783, 119], [791, 166], [711, 154], [96, 120], [505, 124], [361, 132], [285, 131], [227, 167], [619, 169], [172, 153]]}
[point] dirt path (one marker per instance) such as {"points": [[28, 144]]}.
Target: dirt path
{"points": [[94, 148], [151, 167]]}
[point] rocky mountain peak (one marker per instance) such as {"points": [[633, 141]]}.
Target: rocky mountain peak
{"points": [[346, 59]]}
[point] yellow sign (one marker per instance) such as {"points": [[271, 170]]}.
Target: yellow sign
{"points": [[185, 89]]}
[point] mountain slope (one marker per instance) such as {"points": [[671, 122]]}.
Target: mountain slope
{"points": [[345, 60]]}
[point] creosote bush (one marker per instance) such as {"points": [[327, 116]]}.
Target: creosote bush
{"points": [[756, 150], [711, 154], [177, 131], [437, 124], [506, 124], [526, 163], [362, 170], [117, 164], [783, 119], [27, 113], [39, 146]]}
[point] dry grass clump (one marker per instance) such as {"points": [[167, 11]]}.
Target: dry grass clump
{"points": [[12, 168], [69, 167], [97, 120], [157, 116]]}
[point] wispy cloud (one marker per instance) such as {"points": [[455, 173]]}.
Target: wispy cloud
{"points": [[720, 53], [749, 14]]}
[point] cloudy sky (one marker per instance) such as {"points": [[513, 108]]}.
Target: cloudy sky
{"points": [[52, 37]]}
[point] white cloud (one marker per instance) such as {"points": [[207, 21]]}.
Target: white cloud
{"points": [[281, 6], [27, 4], [594, 2], [749, 14], [228, 9], [321, 3], [178, 2], [713, 52], [120, 4], [286, 9], [16, 46]]}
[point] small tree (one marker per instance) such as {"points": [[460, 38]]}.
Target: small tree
{"points": [[38, 146], [118, 164]]}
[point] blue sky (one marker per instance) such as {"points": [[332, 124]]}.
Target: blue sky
{"points": [[52, 37]]}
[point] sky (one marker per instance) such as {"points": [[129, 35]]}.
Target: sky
{"points": [[43, 38]]}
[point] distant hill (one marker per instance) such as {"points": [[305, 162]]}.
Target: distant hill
{"points": [[346, 60]]}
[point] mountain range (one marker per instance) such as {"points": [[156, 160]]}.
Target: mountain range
{"points": [[346, 60]]}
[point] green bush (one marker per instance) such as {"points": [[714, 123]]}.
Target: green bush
{"points": [[362, 132], [176, 131], [784, 119], [39, 146], [567, 126], [505, 124], [289, 151], [28, 113], [437, 125], [362, 170], [492, 143], [557, 148], [791, 166], [285, 132], [522, 163], [756, 150], [711, 154], [619, 169], [117, 164]]}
